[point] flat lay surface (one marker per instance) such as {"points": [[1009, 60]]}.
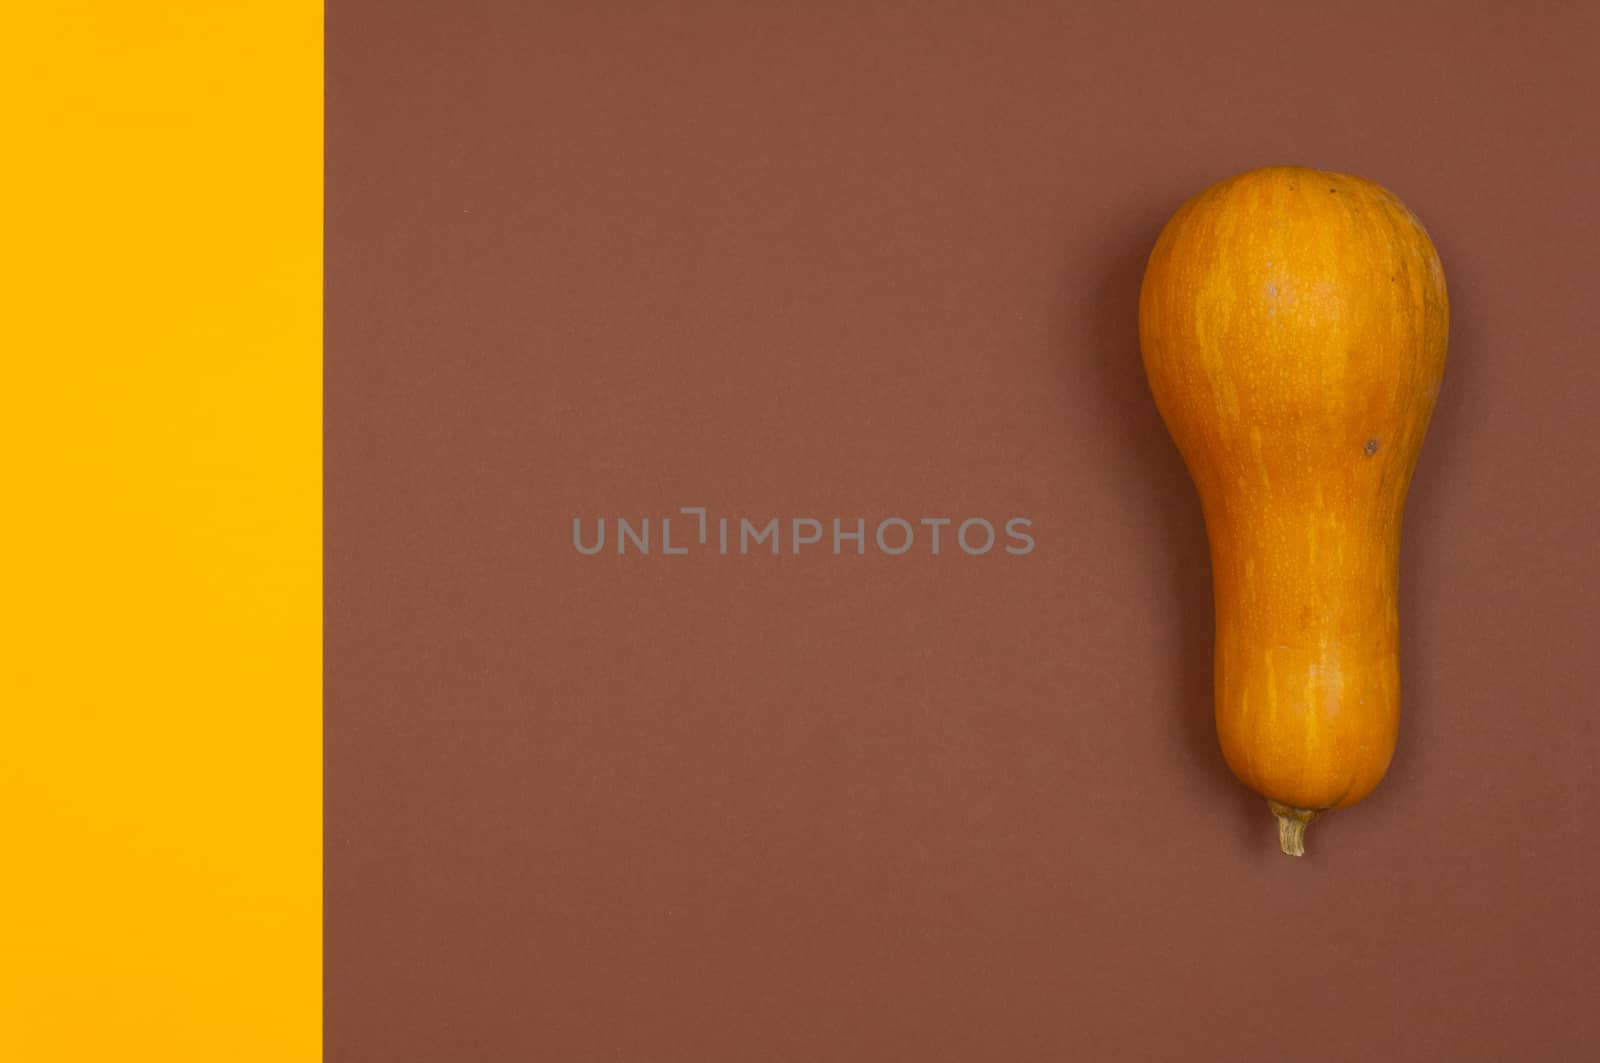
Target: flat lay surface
{"points": [[605, 262]]}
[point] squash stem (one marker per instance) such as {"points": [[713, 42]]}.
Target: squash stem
{"points": [[1292, 824]]}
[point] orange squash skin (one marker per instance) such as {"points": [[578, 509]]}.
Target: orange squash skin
{"points": [[1294, 325]]}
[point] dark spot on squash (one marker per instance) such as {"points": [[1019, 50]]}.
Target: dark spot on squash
{"points": [[1335, 191], [1371, 448]]}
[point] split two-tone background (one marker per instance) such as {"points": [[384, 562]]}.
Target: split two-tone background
{"points": [[282, 480]]}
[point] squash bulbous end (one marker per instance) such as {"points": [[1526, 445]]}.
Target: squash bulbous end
{"points": [[1292, 823]]}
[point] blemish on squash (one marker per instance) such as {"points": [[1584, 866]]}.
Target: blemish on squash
{"points": [[1261, 460], [1371, 448]]}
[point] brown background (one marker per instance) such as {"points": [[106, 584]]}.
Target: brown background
{"points": [[882, 259]]}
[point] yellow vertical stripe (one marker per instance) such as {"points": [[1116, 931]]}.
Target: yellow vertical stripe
{"points": [[160, 397]]}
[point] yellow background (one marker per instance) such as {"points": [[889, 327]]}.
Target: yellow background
{"points": [[160, 731]]}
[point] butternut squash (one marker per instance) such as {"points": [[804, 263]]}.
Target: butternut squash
{"points": [[1294, 324]]}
